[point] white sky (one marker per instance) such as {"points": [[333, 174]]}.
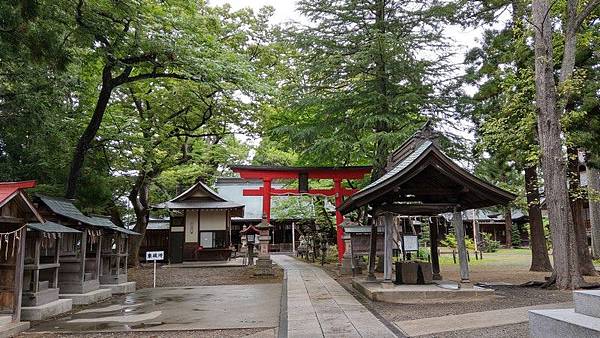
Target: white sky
{"points": [[465, 39]]}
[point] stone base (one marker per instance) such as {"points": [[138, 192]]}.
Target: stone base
{"points": [[263, 267], [13, 329], [39, 298], [562, 323], [417, 294], [46, 311], [346, 266], [119, 289], [89, 297]]}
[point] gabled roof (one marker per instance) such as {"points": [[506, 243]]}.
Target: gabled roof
{"points": [[198, 187], [200, 196], [66, 208], [420, 176], [12, 190]]}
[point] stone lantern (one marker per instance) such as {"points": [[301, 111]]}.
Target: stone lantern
{"points": [[347, 267], [248, 235], [264, 265]]}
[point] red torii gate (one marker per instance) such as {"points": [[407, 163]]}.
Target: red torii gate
{"points": [[269, 173]]}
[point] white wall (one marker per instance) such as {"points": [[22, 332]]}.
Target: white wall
{"points": [[213, 220]]}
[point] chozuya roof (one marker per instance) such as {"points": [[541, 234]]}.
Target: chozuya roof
{"points": [[65, 208], [200, 196], [420, 175]]}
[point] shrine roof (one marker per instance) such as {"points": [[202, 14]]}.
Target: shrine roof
{"points": [[51, 227], [10, 189], [421, 178], [201, 197]]}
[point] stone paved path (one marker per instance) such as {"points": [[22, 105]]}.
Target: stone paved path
{"points": [[317, 306]]}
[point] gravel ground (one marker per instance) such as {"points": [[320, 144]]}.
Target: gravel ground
{"points": [[507, 296], [162, 334], [174, 277], [506, 331]]}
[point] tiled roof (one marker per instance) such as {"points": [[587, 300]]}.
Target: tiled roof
{"points": [[65, 208], [51, 227]]}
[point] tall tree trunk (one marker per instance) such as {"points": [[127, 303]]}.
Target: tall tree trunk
{"points": [[594, 207], [508, 226], [85, 140], [139, 199], [586, 265], [540, 261], [566, 261]]}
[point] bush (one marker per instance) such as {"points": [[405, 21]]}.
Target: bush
{"points": [[450, 242], [489, 245]]}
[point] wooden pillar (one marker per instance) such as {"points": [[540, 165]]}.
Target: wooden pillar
{"points": [[83, 253], [476, 232], [388, 243], [119, 239], [57, 244], [36, 260], [459, 231], [19, 261], [99, 255], [373, 251], [435, 259]]}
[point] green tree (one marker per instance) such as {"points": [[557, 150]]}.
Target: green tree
{"points": [[358, 87]]}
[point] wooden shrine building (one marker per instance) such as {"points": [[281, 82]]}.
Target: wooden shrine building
{"points": [[80, 253], [15, 212], [114, 255], [40, 277], [200, 228], [421, 180]]}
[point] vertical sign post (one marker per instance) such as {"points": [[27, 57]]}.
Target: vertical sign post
{"points": [[155, 256]]}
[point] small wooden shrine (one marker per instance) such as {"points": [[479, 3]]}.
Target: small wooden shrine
{"points": [[15, 211], [80, 253], [40, 277], [200, 225], [115, 252]]}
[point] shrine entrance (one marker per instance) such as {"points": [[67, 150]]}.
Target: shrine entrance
{"points": [[303, 174]]}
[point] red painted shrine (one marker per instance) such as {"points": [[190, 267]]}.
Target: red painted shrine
{"points": [[267, 174]]}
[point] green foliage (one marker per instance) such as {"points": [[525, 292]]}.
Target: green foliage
{"points": [[489, 245], [355, 88], [515, 236], [449, 241]]}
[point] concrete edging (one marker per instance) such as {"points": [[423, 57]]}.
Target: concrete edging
{"points": [[282, 331]]}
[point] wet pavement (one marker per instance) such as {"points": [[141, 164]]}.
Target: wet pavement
{"points": [[317, 306], [184, 308]]}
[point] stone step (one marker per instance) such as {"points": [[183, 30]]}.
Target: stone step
{"points": [[13, 329], [562, 323], [43, 285], [5, 319], [587, 302]]}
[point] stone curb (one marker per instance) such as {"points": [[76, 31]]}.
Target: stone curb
{"points": [[282, 331]]}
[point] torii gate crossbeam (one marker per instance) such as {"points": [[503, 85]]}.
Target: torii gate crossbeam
{"points": [[267, 174]]}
